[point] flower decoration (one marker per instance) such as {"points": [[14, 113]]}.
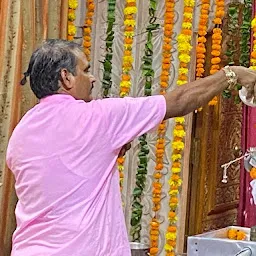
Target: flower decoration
{"points": [[216, 42], [88, 28], [160, 145], [72, 6]]}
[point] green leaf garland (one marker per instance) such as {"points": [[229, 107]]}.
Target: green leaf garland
{"points": [[107, 63], [148, 73]]}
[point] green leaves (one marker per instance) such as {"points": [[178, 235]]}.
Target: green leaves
{"points": [[107, 63]]}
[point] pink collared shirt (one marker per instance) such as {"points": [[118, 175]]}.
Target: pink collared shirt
{"points": [[63, 154]]}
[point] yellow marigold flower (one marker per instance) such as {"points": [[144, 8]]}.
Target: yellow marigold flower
{"points": [[131, 1], [72, 4], [126, 84], [123, 94], [253, 67], [180, 82], [180, 120], [189, 3], [188, 15], [130, 10], [232, 234], [183, 38], [120, 167], [176, 157], [129, 34], [71, 29], [183, 71], [171, 236], [175, 183], [168, 247], [179, 133], [176, 170], [253, 23], [184, 47], [187, 25], [131, 23], [184, 58], [178, 145], [128, 59], [71, 15], [174, 192]]}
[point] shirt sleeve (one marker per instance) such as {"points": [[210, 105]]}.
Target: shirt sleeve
{"points": [[127, 118]]}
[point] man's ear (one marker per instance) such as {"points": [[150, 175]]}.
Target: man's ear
{"points": [[66, 77]]}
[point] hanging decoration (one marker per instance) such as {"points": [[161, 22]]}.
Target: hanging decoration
{"points": [[72, 6], [233, 32], [107, 63], [184, 48], [253, 53], [216, 42], [160, 145], [129, 12], [148, 74], [88, 28], [246, 34], [202, 31], [129, 22]]}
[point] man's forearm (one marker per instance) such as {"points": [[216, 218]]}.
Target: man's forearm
{"points": [[191, 96]]}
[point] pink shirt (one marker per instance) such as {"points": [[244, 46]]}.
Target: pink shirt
{"points": [[63, 154]]}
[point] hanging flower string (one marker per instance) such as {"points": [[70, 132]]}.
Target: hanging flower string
{"points": [[107, 63], [216, 42], [72, 6], [253, 53], [129, 12], [88, 28], [148, 74], [160, 145], [184, 48], [201, 40], [202, 31]]}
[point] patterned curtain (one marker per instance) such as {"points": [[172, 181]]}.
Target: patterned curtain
{"points": [[24, 25]]}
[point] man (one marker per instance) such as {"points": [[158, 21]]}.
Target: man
{"points": [[63, 152]]}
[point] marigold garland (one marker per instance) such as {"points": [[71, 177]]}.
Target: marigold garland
{"points": [[216, 42], [202, 31], [160, 145], [72, 6], [175, 181], [253, 53], [129, 12], [129, 22], [88, 28], [141, 175]]}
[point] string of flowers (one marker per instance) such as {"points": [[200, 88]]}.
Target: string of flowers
{"points": [[202, 31], [253, 52], [216, 42], [88, 28], [129, 12], [184, 48], [148, 74], [72, 6], [201, 40], [129, 22], [160, 145], [107, 63]]}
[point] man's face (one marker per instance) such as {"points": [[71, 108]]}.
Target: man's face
{"points": [[79, 85]]}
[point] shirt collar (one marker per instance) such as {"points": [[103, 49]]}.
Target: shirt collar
{"points": [[57, 98]]}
